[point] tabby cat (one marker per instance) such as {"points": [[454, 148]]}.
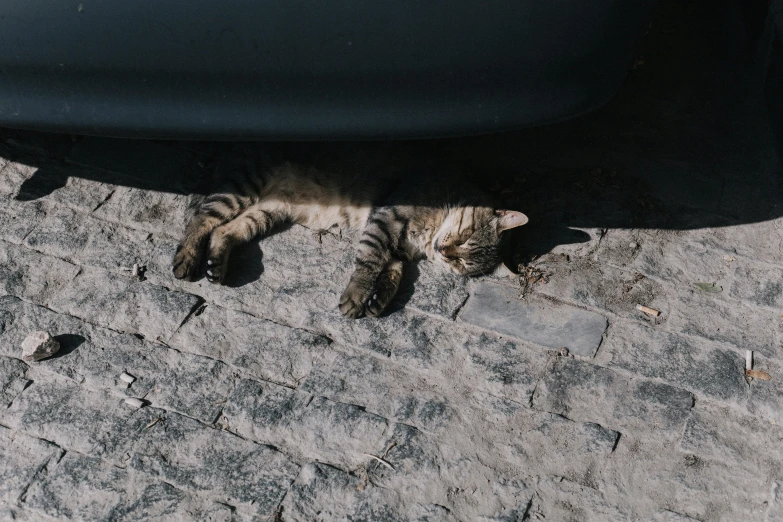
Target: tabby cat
{"points": [[402, 216]]}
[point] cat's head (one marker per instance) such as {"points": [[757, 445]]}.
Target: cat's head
{"points": [[468, 240]]}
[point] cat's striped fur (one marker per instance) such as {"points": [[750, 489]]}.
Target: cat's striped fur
{"points": [[400, 217]]}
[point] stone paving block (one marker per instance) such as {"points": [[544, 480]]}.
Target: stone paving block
{"points": [[548, 324], [585, 392], [681, 258], [55, 183], [12, 175], [192, 456], [88, 241], [22, 458], [500, 439], [17, 514], [717, 318], [13, 379], [436, 291], [117, 302], [685, 362], [758, 284], [80, 488], [765, 398], [70, 416], [587, 283], [775, 511], [762, 241], [662, 477], [485, 361], [619, 247], [560, 499], [95, 357], [307, 428], [267, 350], [158, 212], [140, 159], [163, 502], [382, 387], [19, 218], [742, 441], [322, 492], [27, 274], [671, 516]]}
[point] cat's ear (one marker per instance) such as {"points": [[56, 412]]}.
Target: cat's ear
{"points": [[508, 219]]}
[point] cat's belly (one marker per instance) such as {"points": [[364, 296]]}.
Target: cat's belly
{"points": [[324, 217]]}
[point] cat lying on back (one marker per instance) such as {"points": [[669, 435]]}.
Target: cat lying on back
{"points": [[402, 216]]}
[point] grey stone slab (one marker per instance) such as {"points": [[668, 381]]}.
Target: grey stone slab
{"points": [[96, 357], [718, 318], [26, 273], [158, 212], [194, 457], [308, 428], [717, 433], [758, 284], [21, 459], [265, 349], [590, 284], [54, 183], [671, 516], [507, 438], [485, 361], [117, 302], [163, 502], [88, 241], [548, 324], [775, 510], [19, 218], [80, 488], [765, 398], [585, 392], [690, 363], [681, 259], [382, 387], [144, 160], [559, 499], [437, 291], [12, 175], [13, 379], [68, 415], [322, 492]]}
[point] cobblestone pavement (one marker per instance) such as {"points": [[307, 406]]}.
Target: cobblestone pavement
{"points": [[263, 403]]}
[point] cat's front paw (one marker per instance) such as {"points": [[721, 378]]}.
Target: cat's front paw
{"points": [[186, 263], [353, 299]]}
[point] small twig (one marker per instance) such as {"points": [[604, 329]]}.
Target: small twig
{"points": [[382, 461], [151, 424], [649, 311]]}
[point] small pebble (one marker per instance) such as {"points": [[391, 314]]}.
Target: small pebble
{"points": [[136, 403], [633, 244], [126, 377], [39, 345]]}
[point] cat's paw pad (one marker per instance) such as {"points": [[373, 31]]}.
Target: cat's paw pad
{"points": [[374, 307], [351, 304], [216, 271], [185, 264]]}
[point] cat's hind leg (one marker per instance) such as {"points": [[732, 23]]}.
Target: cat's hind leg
{"points": [[254, 221], [386, 287]]}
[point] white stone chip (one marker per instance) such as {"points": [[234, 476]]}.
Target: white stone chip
{"points": [[136, 403], [39, 345], [126, 377]]}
